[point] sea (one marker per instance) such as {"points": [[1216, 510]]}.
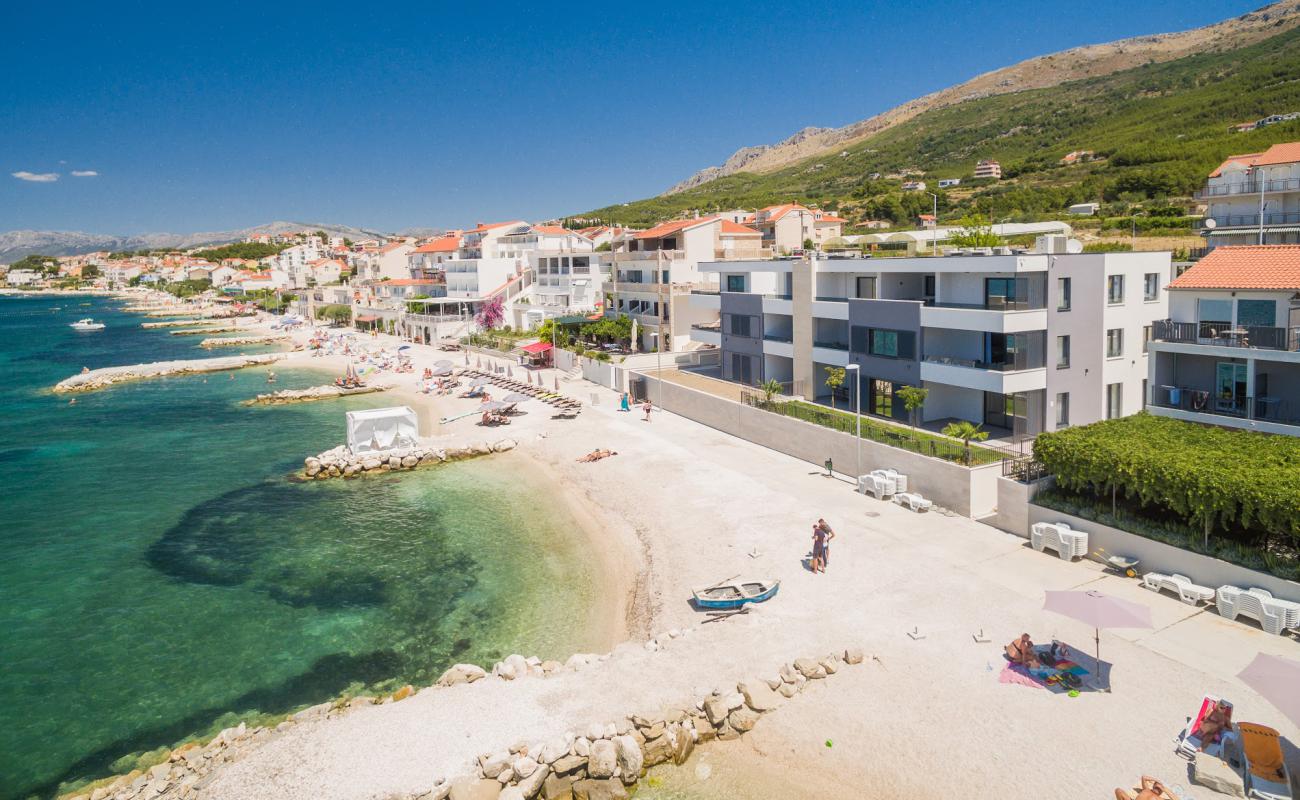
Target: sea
{"points": [[164, 576]]}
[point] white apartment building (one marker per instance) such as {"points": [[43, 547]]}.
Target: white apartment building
{"points": [[1229, 353], [787, 227], [654, 272], [429, 257], [484, 240], [1254, 198], [1019, 343], [546, 238], [390, 261], [988, 169]]}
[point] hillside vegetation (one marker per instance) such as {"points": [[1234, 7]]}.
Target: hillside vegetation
{"points": [[1157, 130]]}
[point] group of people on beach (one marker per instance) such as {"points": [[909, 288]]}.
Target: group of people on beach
{"points": [[625, 404], [821, 546]]}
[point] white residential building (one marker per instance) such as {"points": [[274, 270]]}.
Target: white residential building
{"points": [[390, 261], [1254, 198], [1018, 343], [988, 169]]}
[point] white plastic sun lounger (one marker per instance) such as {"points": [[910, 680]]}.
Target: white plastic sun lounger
{"points": [[1273, 615], [913, 501], [1067, 543], [1181, 585], [877, 485], [1189, 743]]}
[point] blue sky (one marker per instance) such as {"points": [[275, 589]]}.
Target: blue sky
{"points": [[221, 116]]}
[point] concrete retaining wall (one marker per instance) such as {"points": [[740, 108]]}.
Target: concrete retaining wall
{"points": [[1104, 541], [1013, 504], [972, 492]]}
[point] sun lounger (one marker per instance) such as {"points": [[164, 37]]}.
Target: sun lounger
{"points": [[1274, 615], [1181, 585], [1263, 767], [913, 501], [1067, 543], [877, 485], [1189, 741], [899, 479]]}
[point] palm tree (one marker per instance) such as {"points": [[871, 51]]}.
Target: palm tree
{"points": [[967, 432], [770, 388]]}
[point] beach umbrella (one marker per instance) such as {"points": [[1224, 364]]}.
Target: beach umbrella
{"points": [[515, 397], [1098, 610], [479, 363], [557, 383], [442, 372], [442, 363], [1276, 680], [493, 405], [467, 358]]}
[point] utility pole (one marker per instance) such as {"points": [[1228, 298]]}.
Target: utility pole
{"points": [[934, 225], [855, 371]]}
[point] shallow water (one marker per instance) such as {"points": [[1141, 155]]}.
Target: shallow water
{"points": [[161, 570]]}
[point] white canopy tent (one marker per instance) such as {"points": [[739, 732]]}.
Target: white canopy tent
{"points": [[377, 429]]}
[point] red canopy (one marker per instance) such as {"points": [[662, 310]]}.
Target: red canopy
{"points": [[536, 347]]}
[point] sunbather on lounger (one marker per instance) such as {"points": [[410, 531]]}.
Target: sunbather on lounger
{"points": [[1214, 724], [1021, 652]]}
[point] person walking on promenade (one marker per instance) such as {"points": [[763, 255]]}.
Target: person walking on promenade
{"points": [[647, 408], [625, 402], [826, 546], [818, 561]]}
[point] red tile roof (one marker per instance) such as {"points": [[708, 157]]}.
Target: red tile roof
{"points": [[669, 228], [1287, 153], [776, 212], [447, 244], [736, 229], [831, 218], [552, 230], [483, 227], [1269, 267]]}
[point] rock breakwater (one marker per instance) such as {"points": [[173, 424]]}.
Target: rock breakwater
{"points": [[326, 392], [107, 376], [178, 323], [192, 331], [341, 462], [230, 341]]}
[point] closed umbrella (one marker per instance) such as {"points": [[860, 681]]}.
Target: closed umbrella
{"points": [[1098, 610], [510, 373], [1278, 681]]}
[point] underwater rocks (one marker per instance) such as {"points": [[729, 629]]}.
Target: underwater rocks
{"points": [[107, 376]]}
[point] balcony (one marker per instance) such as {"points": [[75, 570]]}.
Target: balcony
{"points": [[1217, 334], [648, 255], [1248, 187], [955, 316], [831, 345], [1195, 404], [999, 377], [1252, 220]]}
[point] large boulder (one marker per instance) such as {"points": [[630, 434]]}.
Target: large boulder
{"points": [[630, 760], [589, 789], [743, 719], [568, 765], [853, 655], [603, 759], [684, 746], [474, 789], [532, 784], [809, 668], [525, 766], [658, 750], [759, 695], [557, 787], [493, 764]]}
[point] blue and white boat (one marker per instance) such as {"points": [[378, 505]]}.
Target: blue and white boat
{"points": [[735, 594]]}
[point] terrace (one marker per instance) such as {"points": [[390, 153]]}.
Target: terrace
{"points": [[1223, 335]]}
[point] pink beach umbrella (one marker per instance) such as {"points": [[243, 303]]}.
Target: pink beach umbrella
{"points": [[510, 373], [557, 383], [1098, 611], [1276, 680]]}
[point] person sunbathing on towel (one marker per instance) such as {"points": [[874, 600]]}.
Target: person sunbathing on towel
{"points": [[1021, 652], [1151, 789], [1214, 724], [596, 455]]}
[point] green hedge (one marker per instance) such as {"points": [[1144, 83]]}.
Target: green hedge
{"points": [[1241, 482]]}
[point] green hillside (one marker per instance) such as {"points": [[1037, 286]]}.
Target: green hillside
{"points": [[1159, 129]]}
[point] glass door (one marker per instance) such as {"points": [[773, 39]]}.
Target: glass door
{"points": [[882, 398], [1230, 387]]}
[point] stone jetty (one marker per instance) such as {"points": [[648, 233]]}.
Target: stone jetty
{"points": [[596, 761], [177, 323], [180, 312], [225, 328], [107, 376], [326, 392], [341, 462], [230, 341]]}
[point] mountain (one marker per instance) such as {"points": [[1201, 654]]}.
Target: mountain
{"points": [[1156, 130], [14, 245], [1036, 73]]}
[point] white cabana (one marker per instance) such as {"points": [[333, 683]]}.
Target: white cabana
{"points": [[382, 429]]}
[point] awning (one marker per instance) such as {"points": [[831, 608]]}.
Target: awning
{"points": [[572, 319], [536, 347], [1253, 230], [367, 318]]}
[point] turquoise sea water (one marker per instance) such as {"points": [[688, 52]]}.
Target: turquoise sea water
{"points": [[159, 570]]}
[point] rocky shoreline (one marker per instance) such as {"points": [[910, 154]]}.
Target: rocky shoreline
{"points": [[602, 761], [192, 331], [177, 323], [224, 341], [340, 462], [107, 376], [326, 392]]}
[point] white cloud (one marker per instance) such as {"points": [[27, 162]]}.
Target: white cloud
{"points": [[36, 177], [84, 173]]}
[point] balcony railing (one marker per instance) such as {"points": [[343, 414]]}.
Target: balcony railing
{"points": [[831, 345], [991, 305], [787, 338], [1248, 220], [1249, 187], [1223, 335], [1205, 401], [709, 327], [1014, 365]]}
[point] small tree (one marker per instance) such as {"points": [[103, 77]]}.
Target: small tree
{"points": [[913, 398], [834, 380], [771, 388], [975, 231], [807, 244], [967, 432], [491, 314]]}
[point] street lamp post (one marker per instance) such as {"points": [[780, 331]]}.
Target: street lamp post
{"points": [[855, 369], [934, 224]]}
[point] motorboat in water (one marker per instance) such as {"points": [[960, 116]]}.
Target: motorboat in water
{"points": [[87, 324], [735, 594]]}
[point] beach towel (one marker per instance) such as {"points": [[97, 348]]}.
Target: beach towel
{"points": [[1020, 676], [1263, 751]]}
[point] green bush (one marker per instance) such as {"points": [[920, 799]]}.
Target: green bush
{"points": [[1239, 483]]}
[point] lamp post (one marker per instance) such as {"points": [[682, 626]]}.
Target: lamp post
{"points": [[934, 224], [854, 370]]}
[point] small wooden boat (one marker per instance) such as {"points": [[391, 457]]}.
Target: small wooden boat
{"points": [[87, 324], [735, 594]]}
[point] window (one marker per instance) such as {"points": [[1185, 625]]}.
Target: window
{"points": [[1002, 293], [739, 325], [1114, 400], [1146, 337], [1115, 343], [867, 288], [1062, 352], [1151, 286], [1115, 290], [742, 368], [1144, 394], [1062, 410], [1256, 313], [1062, 294], [735, 283], [1214, 316], [883, 343], [882, 398]]}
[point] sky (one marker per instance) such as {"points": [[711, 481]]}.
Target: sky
{"points": [[134, 117]]}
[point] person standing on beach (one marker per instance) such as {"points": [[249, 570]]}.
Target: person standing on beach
{"points": [[646, 408], [817, 562], [826, 544], [625, 402]]}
